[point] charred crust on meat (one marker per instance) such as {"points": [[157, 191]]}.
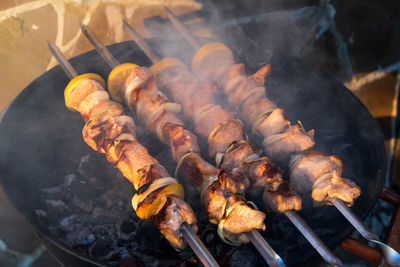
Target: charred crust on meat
{"points": [[284, 189], [179, 141], [151, 197], [99, 124], [148, 175], [272, 170], [158, 218]]}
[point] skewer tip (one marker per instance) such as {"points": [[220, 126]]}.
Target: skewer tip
{"points": [[125, 23], [167, 9], [83, 26], [50, 44]]}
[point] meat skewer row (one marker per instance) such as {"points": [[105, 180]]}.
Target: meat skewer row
{"points": [[214, 62], [226, 137], [313, 171], [255, 107], [136, 87], [158, 197], [322, 185]]}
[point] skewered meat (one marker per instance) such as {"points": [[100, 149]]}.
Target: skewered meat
{"points": [[140, 93], [108, 130], [313, 172], [225, 136], [320, 174], [247, 94]]}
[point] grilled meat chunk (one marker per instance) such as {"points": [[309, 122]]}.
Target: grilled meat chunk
{"points": [[236, 218], [174, 213], [196, 171], [295, 139], [232, 214], [281, 197], [320, 174]]}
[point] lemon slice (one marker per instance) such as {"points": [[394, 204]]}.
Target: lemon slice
{"points": [[166, 63], [71, 85], [208, 49], [117, 78]]}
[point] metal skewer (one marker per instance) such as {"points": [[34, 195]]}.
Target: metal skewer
{"points": [[391, 256], [293, 216], [271, 257], [182, 29], [194, 242]]}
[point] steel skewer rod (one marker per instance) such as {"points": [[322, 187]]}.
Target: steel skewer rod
{"points": [[62, 60], [313, 239], [262, 246], [141, 43], [194, 242], [294, 217], [272, 258], [182, 29], [391, 256], [105, 53]]}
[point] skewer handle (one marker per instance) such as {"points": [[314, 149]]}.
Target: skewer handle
{"points": [[272, 258], [198, 247], [313, 239], [354, 219]]}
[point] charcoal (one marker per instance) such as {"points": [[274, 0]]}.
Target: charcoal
{"points": [[103, 216], [103, 248], [243, 257], [74, 221], [83, 161], [80, 237], [61, 187], [126, 228], [57, 209], [57, 204], [103, 202], [41, 218], [87, 190], [40, 214], [85, 205]]}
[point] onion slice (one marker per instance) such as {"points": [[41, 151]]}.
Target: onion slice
{"points": [[138, 198]]}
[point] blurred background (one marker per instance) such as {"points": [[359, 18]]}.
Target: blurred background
{"points": [[357, 42]]}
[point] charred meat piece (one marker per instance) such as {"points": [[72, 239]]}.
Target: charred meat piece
{"points": [[281, 197], [196, 171], [223, 136], [236, 218], [174, 213], [293, 140], [320, 174], [232, 214]]}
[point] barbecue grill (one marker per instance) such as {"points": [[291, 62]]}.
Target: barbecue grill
{"points": [[80, 206], [63, 174]]}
